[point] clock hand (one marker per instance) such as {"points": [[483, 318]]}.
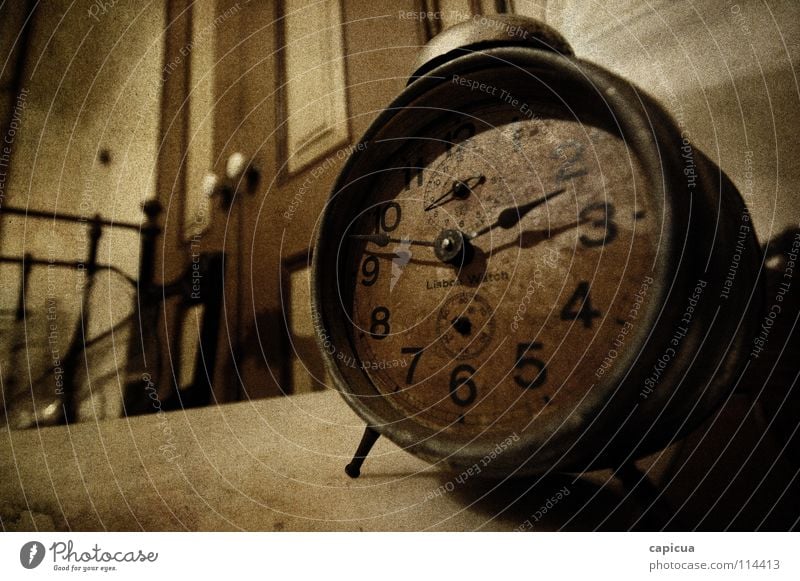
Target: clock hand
{"points": [[383, 239], [450, 246], [531, 238], [510, 217], [461, 189]]}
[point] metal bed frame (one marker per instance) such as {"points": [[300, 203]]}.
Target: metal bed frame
{"points": [[149, 296]]}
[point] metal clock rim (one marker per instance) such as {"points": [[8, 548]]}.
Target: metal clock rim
{"points": [[525, 58]]}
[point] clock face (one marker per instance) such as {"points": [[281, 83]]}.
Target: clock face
{"points": [[560, 240]]}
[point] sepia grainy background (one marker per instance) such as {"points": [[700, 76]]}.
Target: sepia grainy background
{"points": [[105, 105]]}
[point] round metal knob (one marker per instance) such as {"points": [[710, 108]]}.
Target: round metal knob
{"points": [[452, 247]]}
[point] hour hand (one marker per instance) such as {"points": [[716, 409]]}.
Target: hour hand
{"points": [[383, 239]]}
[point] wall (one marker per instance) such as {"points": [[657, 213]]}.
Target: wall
{"points": [[724, 69], [85, 142], [122, 81]]}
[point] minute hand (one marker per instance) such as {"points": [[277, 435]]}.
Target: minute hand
{"points": [[510, 217]]}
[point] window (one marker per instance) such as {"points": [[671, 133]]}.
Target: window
{"points": [[313, 103]]}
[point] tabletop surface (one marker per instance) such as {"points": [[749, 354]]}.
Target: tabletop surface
{"points": [[277, 465]]}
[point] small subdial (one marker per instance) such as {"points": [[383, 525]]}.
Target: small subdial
{"points": [[457, 197], [465, 325]]}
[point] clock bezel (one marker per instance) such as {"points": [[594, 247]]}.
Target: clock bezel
{"points": [[646, 127]]}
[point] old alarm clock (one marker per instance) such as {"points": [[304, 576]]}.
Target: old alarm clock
{"points": [[526, 260]]}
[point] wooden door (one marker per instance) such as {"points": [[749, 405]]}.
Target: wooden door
{"points": [[307, 79]]}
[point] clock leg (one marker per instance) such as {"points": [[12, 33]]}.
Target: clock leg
{"points": [[353, 470]]}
